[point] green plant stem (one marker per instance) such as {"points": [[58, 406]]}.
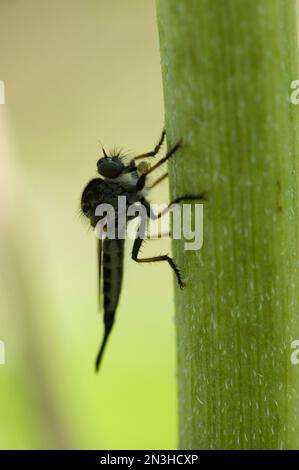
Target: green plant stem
{"points": [[227, 67]]}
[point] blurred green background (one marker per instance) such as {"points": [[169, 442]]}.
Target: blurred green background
{"points": [[76, 72]]}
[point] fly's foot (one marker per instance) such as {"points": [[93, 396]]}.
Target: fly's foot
{"points": [[176, 271], [192, 197]]}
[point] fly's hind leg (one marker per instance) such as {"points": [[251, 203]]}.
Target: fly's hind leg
{"points": [[136, 248], [140, 237], [199, 197], [158, 181]]}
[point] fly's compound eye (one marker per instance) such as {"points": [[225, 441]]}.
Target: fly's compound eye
{"points": [[109, 168]]}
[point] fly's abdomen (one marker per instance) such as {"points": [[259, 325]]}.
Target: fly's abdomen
{"points": [[113, 258]]}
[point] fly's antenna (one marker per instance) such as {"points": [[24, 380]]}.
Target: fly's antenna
{"points": [[108, 321], [103, 150]]}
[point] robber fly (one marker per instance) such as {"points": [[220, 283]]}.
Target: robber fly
{"points": [[128, 180]]}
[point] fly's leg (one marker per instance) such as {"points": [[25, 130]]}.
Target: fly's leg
{"points": [[190, 197], [141, 180], [139, 239], [156, 150], [160, 236], [155, 259], [155, 183], [199, 197]]}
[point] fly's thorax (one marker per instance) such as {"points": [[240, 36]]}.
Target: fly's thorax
{"points": [[128, 180], [119, 193]]}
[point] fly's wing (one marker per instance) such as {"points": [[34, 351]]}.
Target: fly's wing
{"points": [[100, 269]]}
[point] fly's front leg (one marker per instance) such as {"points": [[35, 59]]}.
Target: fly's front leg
{"points": [[156, 150], [141, 180], [136, 248], [169, 154]]}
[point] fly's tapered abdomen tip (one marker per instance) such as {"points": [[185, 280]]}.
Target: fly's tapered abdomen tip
{"points": [[97, 366], [99, 357], [108, 321]]}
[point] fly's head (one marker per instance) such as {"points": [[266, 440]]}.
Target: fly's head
{"points": [[114, 168], [110, 167]]}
